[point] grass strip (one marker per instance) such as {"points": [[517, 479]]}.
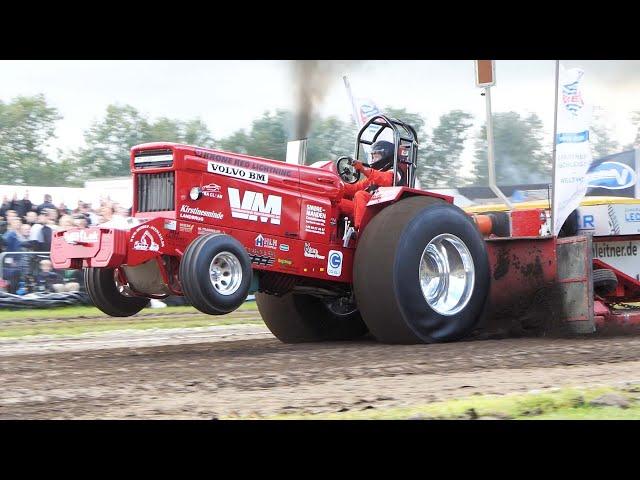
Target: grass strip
{"points": [[97, 325], [566, 403], [86, 311]]}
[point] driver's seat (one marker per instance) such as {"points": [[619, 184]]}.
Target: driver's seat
{"points": [[402, 179]]}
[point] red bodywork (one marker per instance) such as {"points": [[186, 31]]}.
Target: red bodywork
{"points": [[287, 216], [289, 220]]}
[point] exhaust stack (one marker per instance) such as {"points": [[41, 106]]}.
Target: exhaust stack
{"points": [[297, 151]]}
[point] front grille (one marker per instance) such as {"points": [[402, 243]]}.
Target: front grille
{"points": [[156, 191], [153, 159]]}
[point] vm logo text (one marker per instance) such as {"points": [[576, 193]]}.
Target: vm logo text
{"points": [[253, 206]]}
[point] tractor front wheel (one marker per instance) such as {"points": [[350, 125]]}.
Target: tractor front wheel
{"points": [[103, 292], [215, 274]]}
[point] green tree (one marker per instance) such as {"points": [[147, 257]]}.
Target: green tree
{"points": [[165, 130], [267, 138], [27, 124], [237, 142], [196, 132], [417, 122], [191, 132], [600, 138], [329, 139], [108, 141], [519, 152], [635, 120], [442, 162]]}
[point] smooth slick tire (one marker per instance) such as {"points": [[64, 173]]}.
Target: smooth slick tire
{"points": [[397, 255], [297, 318], [101, 287], [215, 274]]}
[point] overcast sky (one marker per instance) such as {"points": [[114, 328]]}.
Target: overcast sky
{"points": [[228, 95]]}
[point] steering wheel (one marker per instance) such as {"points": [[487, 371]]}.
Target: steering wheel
{"points": [[346, 170]]}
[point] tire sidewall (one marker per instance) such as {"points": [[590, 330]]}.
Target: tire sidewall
{"points": [[426, 323], [207, 251]]}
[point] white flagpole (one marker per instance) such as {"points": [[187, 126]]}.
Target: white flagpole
{"points": [[356, 117], [555, 133]]}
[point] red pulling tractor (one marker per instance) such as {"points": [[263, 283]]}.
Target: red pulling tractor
{"points": [[216, 226]]}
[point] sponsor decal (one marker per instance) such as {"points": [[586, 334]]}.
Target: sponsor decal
{"points": [[315, 219], [586, 222], [609, 219], [612, 176], [238, 172], [572, 95], [614, 225], [367, 110], [186, 227], [384, 193], [311, 252], [284, 261], [284, 247], [572, 137], [260, 251], [212, 191], [193, 213], [262, 167], [262, 260], [253, 206], [147, 242], [266, 242], [81, 236], [632, 214], [334, 263], [622, 255], [615, 249], [202, 230], [333, 222], [170, 225]]}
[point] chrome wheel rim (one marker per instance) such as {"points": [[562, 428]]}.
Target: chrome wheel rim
{"points": [[225, 273], [447, 274]]}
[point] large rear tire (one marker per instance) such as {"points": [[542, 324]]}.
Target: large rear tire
{"points": [[101, 287], [215, 274], [421, 273], [296, 318]]}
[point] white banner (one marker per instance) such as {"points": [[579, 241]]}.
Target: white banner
{"points": [[573, 152]]}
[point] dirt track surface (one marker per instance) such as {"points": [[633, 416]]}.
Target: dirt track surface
{"points": [[243, 371]]}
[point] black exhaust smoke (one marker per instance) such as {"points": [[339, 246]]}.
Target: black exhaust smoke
{"points": [[312, 79]]}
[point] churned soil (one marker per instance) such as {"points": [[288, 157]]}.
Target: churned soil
{"points": [[244, 372]]}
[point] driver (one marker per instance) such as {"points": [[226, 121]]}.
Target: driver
{"points": [[357, 195]]}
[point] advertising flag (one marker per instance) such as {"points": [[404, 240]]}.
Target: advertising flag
{"points": [[365, 109], [573, 151]]}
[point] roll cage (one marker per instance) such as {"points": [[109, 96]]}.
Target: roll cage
{"points": [[404, 136]]}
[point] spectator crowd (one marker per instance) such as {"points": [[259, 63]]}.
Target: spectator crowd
{"points": [[27, 227]]}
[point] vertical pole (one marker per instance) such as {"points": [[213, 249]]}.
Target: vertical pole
{"points": [[553, 165], [356, 118], [490, 153], [637, 168]]}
